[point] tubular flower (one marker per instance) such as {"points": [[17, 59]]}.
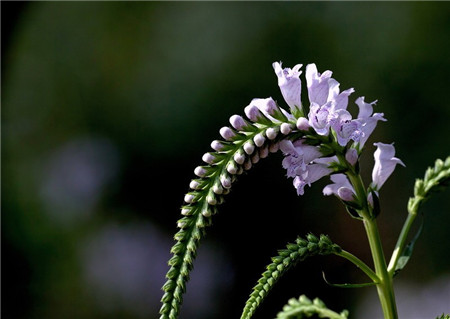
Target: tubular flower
{"points": [[289, 83], [385, 163], [313, 172], [298, 155], [366, 119], [339, 181]]}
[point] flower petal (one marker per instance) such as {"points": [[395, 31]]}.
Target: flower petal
{"points": [[289, 83], [318, 84], [339, 180], [385, 163]]}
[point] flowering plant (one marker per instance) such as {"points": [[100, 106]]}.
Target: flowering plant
{"points": [[321, 140]]}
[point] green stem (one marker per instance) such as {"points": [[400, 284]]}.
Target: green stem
{"points": [[360, 264], [401, 243], [384, 286]]}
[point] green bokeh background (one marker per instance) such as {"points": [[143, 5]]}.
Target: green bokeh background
{"points": [[135, 92]]}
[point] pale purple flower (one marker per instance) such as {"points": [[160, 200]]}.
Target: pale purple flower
{"points": [[385, 163], [313, 172], [319, 85], [345, 127], [319, 117], [341, 187], [265, 106], [367, 120], [298, 155], [289, 83], [351, 156], [341, 100]]}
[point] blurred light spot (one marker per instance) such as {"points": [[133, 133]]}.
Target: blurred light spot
{"points": [[414, 300], [125, 265], [75, 176]]}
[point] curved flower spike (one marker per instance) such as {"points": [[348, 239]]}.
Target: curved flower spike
{"points": [[289, 83], [385, 163]]}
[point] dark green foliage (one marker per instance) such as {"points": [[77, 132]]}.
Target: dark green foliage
{"points": [[443, 316], [303, 307], [286, 259]]}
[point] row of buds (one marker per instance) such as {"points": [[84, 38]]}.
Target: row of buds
{"points": [[257, 143]]}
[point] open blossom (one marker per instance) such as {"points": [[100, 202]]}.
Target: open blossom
{"points": [[367, 120], [339, 181], [289, 83], [328, 109], [298, 155], [385, 163], [313, 172]]}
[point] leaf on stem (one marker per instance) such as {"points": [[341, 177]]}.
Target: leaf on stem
{"points": [[366, 284]]}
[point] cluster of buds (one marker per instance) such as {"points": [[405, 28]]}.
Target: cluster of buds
{"points": [[327, 132], [245, 142]]}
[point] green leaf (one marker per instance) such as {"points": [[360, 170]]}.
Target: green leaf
{"points": [[303, 307], [407, 252], [443, 316], [286, 259], [366, 284]]}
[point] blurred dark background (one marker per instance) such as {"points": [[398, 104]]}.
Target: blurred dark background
{"points": [[108, 107]]}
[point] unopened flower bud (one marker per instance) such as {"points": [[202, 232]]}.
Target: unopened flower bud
{"points": [[237, 122], [181, 224], [249, 148], [351, 156], [227, 133], [239, 158], [186, 211], [264, 152], [225, 181], [255, 158], [206, 212], [346, 194], [248, 164], [303, 124], [217, 188], [285, 128], [252, 112], [189, 198], [194, 184], [232, 167], [200, 171], [211, 199], [271, 133], [270, 107], [217, 145], [208, 158], [259, 140], [273, 148]]}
